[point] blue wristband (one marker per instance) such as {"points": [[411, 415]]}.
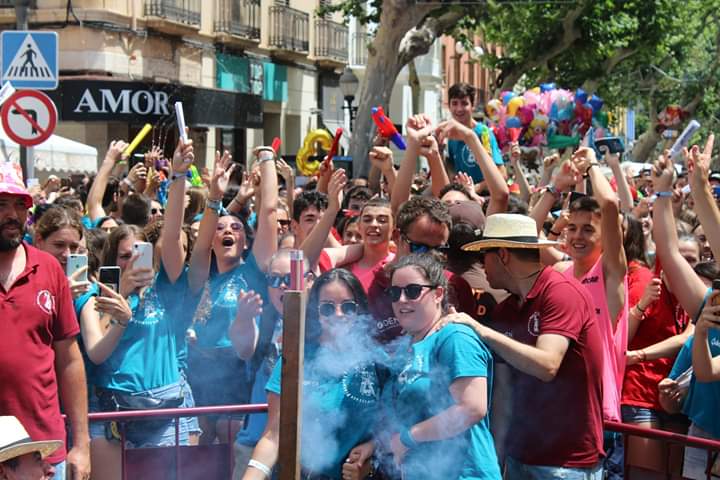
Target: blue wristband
{"points": [[663, 194], [407, 439]]}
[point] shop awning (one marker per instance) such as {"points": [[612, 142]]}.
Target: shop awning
{"points": [[57, 154]]}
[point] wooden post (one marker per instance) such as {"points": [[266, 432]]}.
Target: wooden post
{"points": [[293, 355]]}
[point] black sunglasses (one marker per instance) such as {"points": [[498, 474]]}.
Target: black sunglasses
{"points": [[416, 247], [154, 211], [275, 281], [412, 291], [348, 307], [284, 223]]}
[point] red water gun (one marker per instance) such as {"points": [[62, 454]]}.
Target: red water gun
{"points": [[386, 128], [334, 148]]}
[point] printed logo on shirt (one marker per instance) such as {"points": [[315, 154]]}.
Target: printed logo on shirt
{"points": [[361, 384], [588, 280], [715, 342], [412, 370], [387, 324], [534, 324], [45, 301]]}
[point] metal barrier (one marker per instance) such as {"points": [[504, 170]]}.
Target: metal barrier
{"points": [[175, 413], [712, 446]]}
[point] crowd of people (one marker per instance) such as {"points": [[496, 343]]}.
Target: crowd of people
{"points": [[462, 323]]}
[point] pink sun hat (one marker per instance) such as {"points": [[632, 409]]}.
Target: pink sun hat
{"points": [[11, 181]]}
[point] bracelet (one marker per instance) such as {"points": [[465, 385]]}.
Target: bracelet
{"points": [[663, 194], [127, 182], [643, 355], [260, 466], [177, 176], [552, 189], [214, 205], [641, 310], [586, 174], [114, 321], [261, 158], [551, 232], [407, 439]]}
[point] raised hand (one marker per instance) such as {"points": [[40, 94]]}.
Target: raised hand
{"points": [[551, 161], [335, 190], [249, 305], [115, 151], [134, 279], [113, 304], [515, 153], [183, 156], [381, 157], [567, 177], [452, 130], [583, 159], [137, 176], [663, 173], [78, 287], [698, 163], [418, 127], [220, 179], [285, 170]]}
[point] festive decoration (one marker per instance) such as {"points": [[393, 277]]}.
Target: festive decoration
{"points": [[316, 138]]}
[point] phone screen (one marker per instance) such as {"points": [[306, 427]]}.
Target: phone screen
{"points": [[110, 276]]}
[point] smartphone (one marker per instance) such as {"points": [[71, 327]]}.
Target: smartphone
{"points": [[74, 263], [110, 276], [134, 160], [613, 144], [575, 196], [716, 192], [145, 251]]}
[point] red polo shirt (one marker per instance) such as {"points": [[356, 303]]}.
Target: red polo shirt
{"points": [[557, 423], [34, 313]]}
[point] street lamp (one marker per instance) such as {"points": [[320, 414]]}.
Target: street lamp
{"points": [[349, 84]]}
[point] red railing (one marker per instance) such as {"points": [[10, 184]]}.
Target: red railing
{"points": [[175, 413], [711, 446], [667, 437]]}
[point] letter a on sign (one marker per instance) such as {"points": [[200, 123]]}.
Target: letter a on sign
{"points": [[29, 59]]}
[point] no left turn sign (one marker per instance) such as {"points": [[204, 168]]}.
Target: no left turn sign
{"points": [[29, 117]]}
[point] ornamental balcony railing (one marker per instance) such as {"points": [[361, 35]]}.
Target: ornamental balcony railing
{"points": [[289, 29], [331, 40], [181, 11], [238, 17]]}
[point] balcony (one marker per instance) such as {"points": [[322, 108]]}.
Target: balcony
{"points": [[360, 42], [176, 17], [331, 41], [239, 19], [289, 29]]}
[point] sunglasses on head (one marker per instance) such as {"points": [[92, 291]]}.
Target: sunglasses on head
{"points": [[412, 291], [275, 280], [234, 226], [328, 309], [416, 247]]}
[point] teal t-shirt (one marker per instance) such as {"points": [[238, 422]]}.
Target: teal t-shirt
{"points": [[421, 389], [215, 306], [339, 413], [146, 355], [463, 159], [701, 403], [182, 317]]}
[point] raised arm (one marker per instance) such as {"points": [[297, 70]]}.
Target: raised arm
{"points": [[518, 173], [613, 258], [381, 157], [705, 366], [97, 190], [288, 174], [418, 128], [266, 240], [314, 243], [707, 211], [494, 179], [171, 240], [682, 280], [623, 189], [200, 260]]}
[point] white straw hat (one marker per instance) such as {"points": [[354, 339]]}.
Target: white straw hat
{"points": [[15, 441], [509, 230]]}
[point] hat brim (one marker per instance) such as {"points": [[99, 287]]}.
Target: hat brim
{"points": [[484, 244], [44, 447]]}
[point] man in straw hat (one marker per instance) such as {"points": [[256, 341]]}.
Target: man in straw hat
{"points": [[20, 457], [39, 354], [547, 331]]}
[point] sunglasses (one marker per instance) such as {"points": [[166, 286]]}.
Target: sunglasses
{"points": [[155, 211], [328, 309], [416, 247], [412, 291], [284, 223], [235, 227], [275, 280]]}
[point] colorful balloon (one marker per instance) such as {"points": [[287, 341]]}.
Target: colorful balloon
{"points": [[514, 104]]}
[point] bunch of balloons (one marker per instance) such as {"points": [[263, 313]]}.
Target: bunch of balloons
{"points": [[545, 116]]}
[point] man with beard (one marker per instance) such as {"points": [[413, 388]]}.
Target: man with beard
{"points": [[39, 355]]}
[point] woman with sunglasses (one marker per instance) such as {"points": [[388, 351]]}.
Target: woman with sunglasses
{"points": [[441, 394], [341, 395], [221, 266]]}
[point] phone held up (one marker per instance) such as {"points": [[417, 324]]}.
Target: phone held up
{"points": [[110, 277], [74, 263]]}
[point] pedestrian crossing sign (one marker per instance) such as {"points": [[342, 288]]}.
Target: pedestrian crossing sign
{"points": [[29, 59]]}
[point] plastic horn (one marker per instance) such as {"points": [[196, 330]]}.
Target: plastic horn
{"points": [[136, 141], [180, 116], [683, 140]]}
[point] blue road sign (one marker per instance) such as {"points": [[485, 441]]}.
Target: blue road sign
{"points": [[29, 59]]}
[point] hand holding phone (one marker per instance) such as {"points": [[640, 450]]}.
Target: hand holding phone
{"points": [[110, 276], [144, 251]]}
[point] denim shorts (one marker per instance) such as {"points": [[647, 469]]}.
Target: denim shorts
{"points": [[193, 425], [59, 470], [633, 414], [139, 434], [515, 470]]}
